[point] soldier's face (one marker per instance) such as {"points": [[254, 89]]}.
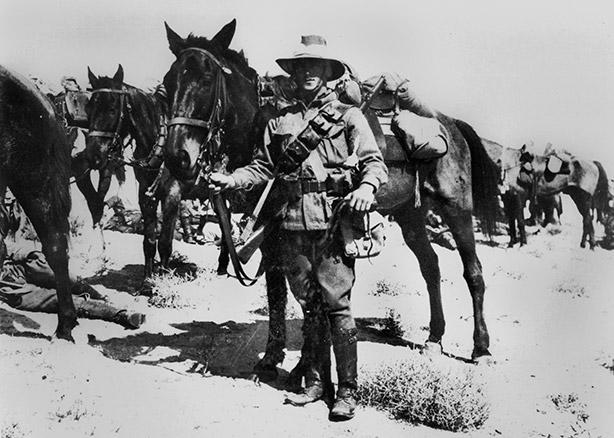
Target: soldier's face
{"points": [[310, 74]]}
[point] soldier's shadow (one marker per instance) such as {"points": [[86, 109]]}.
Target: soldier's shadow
{"points": [[227, 349]]}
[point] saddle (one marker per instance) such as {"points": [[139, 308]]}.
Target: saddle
{"points": [[71, 106], [410, 127]]}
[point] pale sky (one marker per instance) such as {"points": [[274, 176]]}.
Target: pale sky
{"points": [[517, 71]]}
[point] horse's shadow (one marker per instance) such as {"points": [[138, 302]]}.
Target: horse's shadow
{"points": [[127, 279], [228, 349], [130, 278], [29, 326]]}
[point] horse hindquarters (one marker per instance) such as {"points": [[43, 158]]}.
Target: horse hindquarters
{"points": [[51, 224]]}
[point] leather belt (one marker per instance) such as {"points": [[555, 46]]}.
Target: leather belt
{"points": [[333, 187]]}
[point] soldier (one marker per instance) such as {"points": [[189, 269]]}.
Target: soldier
{"points": [[27, 283], [320, 275]]}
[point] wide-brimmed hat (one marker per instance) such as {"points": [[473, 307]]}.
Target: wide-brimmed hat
{"points": [[313, 47]]}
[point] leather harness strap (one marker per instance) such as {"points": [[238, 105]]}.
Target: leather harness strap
{"points": [[219, 205]]}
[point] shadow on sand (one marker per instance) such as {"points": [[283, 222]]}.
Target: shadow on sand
{"points": [[227, 349]]}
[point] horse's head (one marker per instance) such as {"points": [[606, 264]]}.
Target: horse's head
{"points": [[106, 114], [206, 87]]}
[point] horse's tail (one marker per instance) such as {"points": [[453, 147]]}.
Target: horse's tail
{"points": [[600, 197], [484, 178]]}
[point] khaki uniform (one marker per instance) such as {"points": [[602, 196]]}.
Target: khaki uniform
{"points": [[320, 275]]}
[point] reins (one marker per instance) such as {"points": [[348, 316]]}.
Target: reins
{"points": [[209, 151]]}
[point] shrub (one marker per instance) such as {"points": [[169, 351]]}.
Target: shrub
{"points": [[166, 291], [12, 430], [570, 287], [384, 287], [420, 391], [392, 325]]}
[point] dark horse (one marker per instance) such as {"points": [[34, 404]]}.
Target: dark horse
{"points": [[586, 182], [115, 111], [35, 165], [213, 98]]}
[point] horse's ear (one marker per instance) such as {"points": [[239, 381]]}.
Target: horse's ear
{"points": [[224, 36], [92, 77], [523, 148], [119, 75], [174, 40]]}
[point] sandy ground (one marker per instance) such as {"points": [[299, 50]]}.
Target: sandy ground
{"points": [[185, 373]]}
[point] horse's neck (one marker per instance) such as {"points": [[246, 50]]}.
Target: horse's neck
{"points": [[238, 139], [142, 122]]}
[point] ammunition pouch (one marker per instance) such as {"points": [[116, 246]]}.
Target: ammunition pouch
{"points": [[337, 184], [327, 123]]}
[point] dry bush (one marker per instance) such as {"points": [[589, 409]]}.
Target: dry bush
{"points": [[12, 430], [420, 391], [570, 287], [167, 291], [568, 415], [169, 288], [392, 325], [76, 226], [385, 287], [70, 410]]}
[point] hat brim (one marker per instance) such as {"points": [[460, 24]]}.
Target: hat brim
{"points": [[337, 68]]}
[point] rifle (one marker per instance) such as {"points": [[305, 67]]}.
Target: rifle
{"points": [[253, 239]]}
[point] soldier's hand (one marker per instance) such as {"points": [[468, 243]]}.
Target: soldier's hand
{"points": [[219, 182], [362, 198]]}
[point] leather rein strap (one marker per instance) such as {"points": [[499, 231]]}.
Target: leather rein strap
{"points": [[214, 125], [219, 205]]}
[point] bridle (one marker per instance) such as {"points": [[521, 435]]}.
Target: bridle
{"points": [[210, 147], [210, 153], [115, 136]]}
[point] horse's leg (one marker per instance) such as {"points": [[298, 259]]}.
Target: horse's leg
{"points": [[277, 296], [412, 225], [170, 211], [53, 236], [511, 218], [80, 171], [583, 202], [520, 219], [460, 223], [149, 208]]}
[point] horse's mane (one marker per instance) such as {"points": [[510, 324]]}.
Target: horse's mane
{"points": [[236, 59]]}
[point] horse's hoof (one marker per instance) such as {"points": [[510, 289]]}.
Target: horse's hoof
{"points": [[432, 349], [295, 378], [266, 369], [485, 361], [146, 289], [264, 374], [64, 336], [222, 271]]}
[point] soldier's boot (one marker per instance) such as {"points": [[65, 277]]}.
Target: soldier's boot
{"points": [[315, 361], [97, 309], [346, 355], [318, 385], [186, 228]]}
